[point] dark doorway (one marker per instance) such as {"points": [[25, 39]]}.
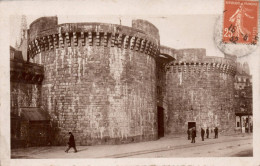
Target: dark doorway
{"points": [[191, 125], [160, 122]]}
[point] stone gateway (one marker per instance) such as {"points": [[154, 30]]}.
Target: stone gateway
{"points": [[112, 84]]}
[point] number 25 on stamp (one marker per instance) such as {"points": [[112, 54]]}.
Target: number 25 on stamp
{"points": [[240, 23]]}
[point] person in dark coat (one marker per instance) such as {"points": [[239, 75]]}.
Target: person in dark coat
{"points": [[216, 132], [202, 134], [193, 135], [189, 133], [71, 143], [207, 132]]}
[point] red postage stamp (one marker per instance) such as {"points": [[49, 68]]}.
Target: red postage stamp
{"points": [[240, 23]]}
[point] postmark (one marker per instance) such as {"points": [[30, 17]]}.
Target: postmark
{"points": [[240, 22], [237, 29]]}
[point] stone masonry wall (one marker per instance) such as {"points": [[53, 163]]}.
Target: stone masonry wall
{"points": [[100, 82], [200, 89], [24, 95], [167, 55]]}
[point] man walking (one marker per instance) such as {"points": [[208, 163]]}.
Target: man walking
{"points": [[71, 143], [193, 135], [207, 132], [202, 134]]}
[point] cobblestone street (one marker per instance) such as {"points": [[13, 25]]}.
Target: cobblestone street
{"points": [[173, 146]]}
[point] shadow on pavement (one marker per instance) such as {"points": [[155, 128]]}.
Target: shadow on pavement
{"points": [[81, 150], [245, 153], [18, 157]]}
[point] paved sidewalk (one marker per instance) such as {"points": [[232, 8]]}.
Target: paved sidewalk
{"points": [[124, 150]]}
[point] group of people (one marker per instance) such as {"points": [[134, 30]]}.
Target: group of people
{"points": [[192, 133]]}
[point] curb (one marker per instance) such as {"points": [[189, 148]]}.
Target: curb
{"points": [[164, 149]]}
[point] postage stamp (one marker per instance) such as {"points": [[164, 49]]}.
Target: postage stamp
{"points": [[240, 22]]}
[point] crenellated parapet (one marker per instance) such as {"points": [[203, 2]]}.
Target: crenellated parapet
{"points": [[197, 67], [196, 61], [93, 34]]}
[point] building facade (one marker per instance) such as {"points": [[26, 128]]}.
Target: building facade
{"points": [[243, 99], [112, 84]]}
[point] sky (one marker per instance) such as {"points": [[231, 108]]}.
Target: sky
{"points": [[181, 24], [176, 31]]}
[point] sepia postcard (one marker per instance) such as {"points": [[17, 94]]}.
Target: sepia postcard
{"points": [[146, 83]]}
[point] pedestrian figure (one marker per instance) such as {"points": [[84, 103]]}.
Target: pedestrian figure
{"points": [[216, 132], [202, 134], [193, 135], [71, 143], [189, 133], [207, 132]]}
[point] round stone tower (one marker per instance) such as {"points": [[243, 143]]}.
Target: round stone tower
{"points": [[200, 92], [99, 79]]}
